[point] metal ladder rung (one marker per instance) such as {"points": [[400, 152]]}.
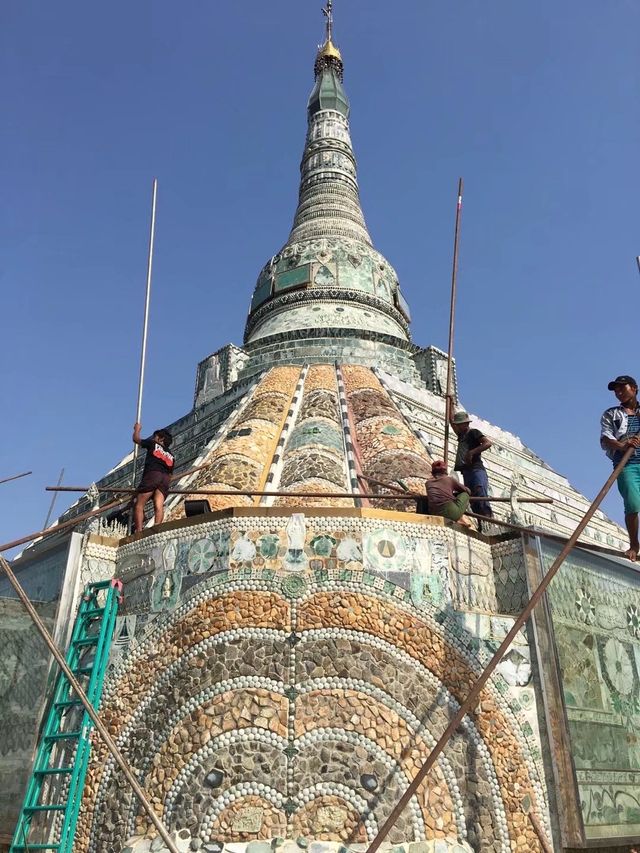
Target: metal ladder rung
{"points": [[51, 771], [64, 736], [88, 641], [91, 614], [58, 808], [82, 670], [67, 703], [28, 847]]}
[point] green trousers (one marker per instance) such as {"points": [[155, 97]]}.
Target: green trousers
{"points": [[454, 509]]}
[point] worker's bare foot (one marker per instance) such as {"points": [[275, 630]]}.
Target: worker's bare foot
{"points": [[631, 554]]}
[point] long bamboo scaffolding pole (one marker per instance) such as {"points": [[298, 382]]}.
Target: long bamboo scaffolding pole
{"points": [[249, 492], [145, 322], [409, 494], [16, 477], [472, 698], [543, 534], [539, 831], [53, 501], [100, 726], [532, 531], [452, 315], [56, 528]]}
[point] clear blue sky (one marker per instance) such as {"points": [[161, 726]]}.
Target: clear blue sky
{"points": [[534, 104]]}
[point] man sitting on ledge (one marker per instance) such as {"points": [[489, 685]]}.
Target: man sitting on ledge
{"points": [[447, 496]]}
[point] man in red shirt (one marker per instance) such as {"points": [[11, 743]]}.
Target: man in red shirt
{"points": [[156, 475], [447, 496]]}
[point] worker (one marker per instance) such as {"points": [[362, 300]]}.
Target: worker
{"points": [[471, 445], [446, 495], [619, 430], [156, 475]]}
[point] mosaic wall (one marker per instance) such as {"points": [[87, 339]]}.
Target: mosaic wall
{"points": [[240, 461], [217, 373], [325, 315], [286, 676], [387, 450], [314, 458], [595, 606]]}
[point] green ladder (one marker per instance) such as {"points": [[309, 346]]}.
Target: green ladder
{"points": [[55, 787]]}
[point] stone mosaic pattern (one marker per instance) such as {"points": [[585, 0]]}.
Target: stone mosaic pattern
{"points": [[241, 460], [313, 459], [596, 620], [184, 843], [292, 689], [510, 577], [385, 446]]}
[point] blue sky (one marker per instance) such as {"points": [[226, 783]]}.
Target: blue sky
{"points": [[535, 105]]}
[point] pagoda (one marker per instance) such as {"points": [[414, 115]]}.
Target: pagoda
{"points": [[284, 660]]}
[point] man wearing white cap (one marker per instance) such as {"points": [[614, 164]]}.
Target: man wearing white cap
{"points": [[471, 444]]}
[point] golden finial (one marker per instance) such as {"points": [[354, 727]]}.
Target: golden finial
{"points": [[328, 53]]}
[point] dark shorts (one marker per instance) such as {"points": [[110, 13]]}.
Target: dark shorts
{"points": [[153, 481]]}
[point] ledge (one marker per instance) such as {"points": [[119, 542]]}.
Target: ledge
{"points": [[279, 512]]}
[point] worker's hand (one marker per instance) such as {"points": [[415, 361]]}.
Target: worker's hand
{"points": [[137, 427], [632, 441]]}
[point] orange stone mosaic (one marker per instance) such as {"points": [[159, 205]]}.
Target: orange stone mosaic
{"points": [[240, 462], [294, 716]]}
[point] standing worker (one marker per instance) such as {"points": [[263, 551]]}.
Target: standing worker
{"points": [[156, 475], [446, 495], [471, 445], [619, 428]]}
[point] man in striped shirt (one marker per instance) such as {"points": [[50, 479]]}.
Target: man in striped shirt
{"points": [[619, 430]]}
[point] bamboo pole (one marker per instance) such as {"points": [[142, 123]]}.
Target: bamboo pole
{"points": [[543, 534], [452, 314], [16, 477], [539, 831], [256, 492], [547, 534], [53, 501], [408, 493], [145, 323], [472, 698], [56, 528], [100, 726]]}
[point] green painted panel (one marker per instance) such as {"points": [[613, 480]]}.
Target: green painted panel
{"points": [[263, 289], [297, 277]]}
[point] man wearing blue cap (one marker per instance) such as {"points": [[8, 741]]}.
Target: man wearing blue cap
{"points": [[619, 430]]}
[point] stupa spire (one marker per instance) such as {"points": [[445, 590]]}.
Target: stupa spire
{"points": [[328, 279], [329, 200]]}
